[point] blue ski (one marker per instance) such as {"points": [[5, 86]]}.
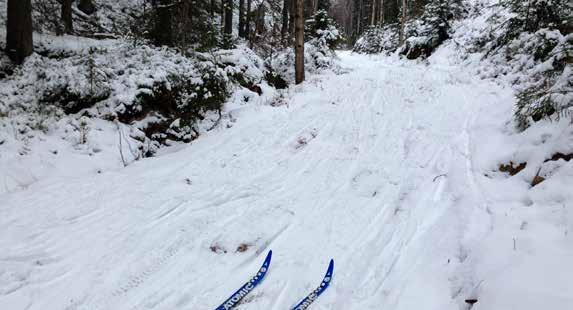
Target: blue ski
{"points": [[305, 303], [248, 287]]}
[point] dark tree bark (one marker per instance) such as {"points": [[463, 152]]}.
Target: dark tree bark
{"points": [[242, 18], [366, 8], [19, 41], [285, 20], [418, 7], [372, 13], [308, 8], [189, 7], [357, 18], [222, 15], [291, 18], [67, 16], [378, 12], [299, 41], [228, 30], [163, 28], [260, 20], [403, 20], [391, 11], [183, 23], [248, 20], [87, 6]]}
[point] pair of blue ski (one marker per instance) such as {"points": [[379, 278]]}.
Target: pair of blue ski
{"points": [[249, 286]]}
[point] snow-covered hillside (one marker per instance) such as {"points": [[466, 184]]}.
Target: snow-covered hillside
{"points": [[390, 169]]}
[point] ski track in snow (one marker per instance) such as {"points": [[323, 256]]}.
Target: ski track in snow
{"points": [[372, 168]]}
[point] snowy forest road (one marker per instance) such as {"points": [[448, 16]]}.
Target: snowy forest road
{"points": [[373, 168]]}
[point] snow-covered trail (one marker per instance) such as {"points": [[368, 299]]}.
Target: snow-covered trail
{"points": [[373, 168]]}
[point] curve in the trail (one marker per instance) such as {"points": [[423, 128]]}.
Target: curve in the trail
{"points": [[372, 167]]}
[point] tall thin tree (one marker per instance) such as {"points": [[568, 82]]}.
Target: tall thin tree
{"points": [[291, 18], [19, 40], [228, 29], [67, 16], [403, 21], [391, 11], [284, 20], [248, 20], [242, 18], [299, 41], [162, 32], [222, 19]]}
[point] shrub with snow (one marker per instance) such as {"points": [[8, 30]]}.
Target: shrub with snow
{"points": [[549, 89], [322, 36], [317, 57], [323, 27], [422, 34], [378, 39], [532, 44], [162, 93]]}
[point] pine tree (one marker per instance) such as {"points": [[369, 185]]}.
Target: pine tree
{"points": [[19, 41], [227, 23], [242, 18], [299, 41], [67, 16]]}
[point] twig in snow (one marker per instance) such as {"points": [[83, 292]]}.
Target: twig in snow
{"points": [[217, 121], [514, 244], [120, 144], [441, 175]]}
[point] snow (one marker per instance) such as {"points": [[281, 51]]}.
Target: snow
{"points": [[28, 157], [390, 168]]}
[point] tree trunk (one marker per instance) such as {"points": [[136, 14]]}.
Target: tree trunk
{"points": [[242, 18], [308, 9], [222, 15], [284, 21], [248, 20], [359, 15], [291, 18], [373, 13], [67, 16], [260, 20], [403, 20], [19, 41], [190, 14], [183, 23], [163, 27], [418, 7], [228, 30], [379, 6], [391, 11], [299, 41], [87, 6]]}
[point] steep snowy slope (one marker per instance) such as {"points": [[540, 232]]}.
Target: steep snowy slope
{"points": [[388, 169]]}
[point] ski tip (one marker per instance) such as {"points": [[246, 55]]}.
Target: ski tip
{"points": [[330, 269], [269, 256]]}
